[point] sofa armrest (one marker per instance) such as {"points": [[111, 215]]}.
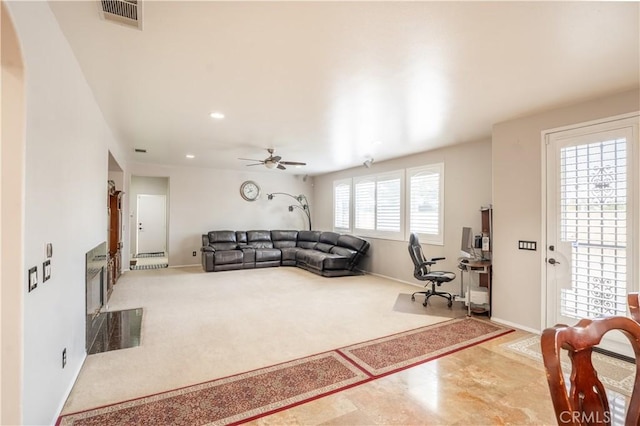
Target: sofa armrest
{"points": [[208, 258]]}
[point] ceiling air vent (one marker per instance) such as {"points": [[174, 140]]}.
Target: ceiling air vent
{"points": [[127, 12], [140, 150]]}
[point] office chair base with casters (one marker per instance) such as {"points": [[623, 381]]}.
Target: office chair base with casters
{"points": [[422, 271], [428, 294]]}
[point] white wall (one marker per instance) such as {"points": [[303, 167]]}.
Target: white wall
{"points": [[467, 187], [202, 200], [67, 145], [517, 195], [12, 146]]}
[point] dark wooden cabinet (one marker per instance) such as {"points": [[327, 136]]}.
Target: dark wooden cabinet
{"points": [[115, 237]]}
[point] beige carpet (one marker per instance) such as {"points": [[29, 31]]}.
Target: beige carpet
{"points": [[614, 374], [201, 326]]}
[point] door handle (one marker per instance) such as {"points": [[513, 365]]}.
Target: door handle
{"points": [[553, 261]]}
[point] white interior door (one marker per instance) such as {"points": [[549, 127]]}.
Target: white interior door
{"points": [[151, 224], [592, 227]]}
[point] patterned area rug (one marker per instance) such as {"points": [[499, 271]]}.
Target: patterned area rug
{"points": [[399, 351], [251, 395], [614, 374]]}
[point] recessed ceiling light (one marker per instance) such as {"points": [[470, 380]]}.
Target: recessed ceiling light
{"points": [[190, 156], [217, 115]]}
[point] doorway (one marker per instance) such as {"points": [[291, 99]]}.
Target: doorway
{"points": [[151, 235], [149, 224], [592, 223]]}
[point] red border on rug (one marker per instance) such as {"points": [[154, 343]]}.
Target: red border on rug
{"points": [[371, 378]]}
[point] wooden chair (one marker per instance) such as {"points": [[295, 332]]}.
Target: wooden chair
{"points": [[586, 401]]}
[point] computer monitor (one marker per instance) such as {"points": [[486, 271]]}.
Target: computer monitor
{"points": [[466, 245]]}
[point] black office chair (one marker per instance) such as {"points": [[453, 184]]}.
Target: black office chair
{"points": [[423, 272]]}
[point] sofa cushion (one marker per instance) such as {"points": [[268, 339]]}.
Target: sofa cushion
{"points": [[289, 253], [223, 257], [308, 239], [324, 247], [353, 243], [343, 251], [222, 240], [267, 254], [241, 237], [312, 258], [283, 239], [259, 239], [320, 261], [334, 261], [330, 238]]}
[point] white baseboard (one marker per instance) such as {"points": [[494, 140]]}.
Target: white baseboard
{"points": [[184, 266], [393, 279], [68, 391], [518, 326]]}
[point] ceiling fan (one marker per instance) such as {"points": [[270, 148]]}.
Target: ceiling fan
{"points": [[273, 161]]}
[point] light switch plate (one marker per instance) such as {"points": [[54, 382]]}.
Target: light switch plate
{"points": [[46, 270], [32, 282], [527, 245]]}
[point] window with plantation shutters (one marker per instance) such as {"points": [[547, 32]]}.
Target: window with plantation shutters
{"points": [[378, 209], [388, 204], [391, 205], [365, 204], [426, 202], [342, 205]]}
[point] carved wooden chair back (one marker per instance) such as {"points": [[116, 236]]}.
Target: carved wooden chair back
{"points": [[586, 400], [634, 306]]}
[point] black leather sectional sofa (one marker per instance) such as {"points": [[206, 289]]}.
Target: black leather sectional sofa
{"points": [[325, 253]]}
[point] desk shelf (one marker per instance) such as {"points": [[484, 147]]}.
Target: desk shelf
{"points": [[483, 269]]}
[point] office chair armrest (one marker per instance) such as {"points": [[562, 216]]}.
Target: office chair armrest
{"points": [[425, 263], [433, 260]]}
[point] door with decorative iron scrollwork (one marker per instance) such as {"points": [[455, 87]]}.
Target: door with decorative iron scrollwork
{"points": [[591, 224]]}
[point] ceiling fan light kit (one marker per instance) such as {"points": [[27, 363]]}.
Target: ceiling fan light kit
{"points": [[273, 161]]}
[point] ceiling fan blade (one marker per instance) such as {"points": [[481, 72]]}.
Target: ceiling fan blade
{"points": [[281, 167], [293, 163], [255, 164], [251, 159], [275, 159]]}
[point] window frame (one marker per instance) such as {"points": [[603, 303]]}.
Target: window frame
{"points": [[434, 239], [349, 183], [376, 233]]}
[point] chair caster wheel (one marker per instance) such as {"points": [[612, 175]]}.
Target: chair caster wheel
{"points": [[424, 304], [413, 298], [450, 304]]}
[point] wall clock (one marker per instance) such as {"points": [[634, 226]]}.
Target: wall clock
{"points": [[249, 190]]}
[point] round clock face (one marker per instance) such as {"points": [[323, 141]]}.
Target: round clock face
{"points": [[249, 190]]}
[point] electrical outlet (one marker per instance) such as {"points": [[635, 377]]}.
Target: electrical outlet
{"points": [[194, 253], [64, 357]]}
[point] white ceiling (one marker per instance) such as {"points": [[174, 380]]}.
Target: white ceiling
{"points": [[331, 83]]}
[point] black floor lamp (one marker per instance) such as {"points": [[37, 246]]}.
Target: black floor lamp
{"points": [[303, 204]]}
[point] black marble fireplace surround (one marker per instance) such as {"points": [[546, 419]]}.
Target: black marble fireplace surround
{"points": [[106, 331], [95, 290]]}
